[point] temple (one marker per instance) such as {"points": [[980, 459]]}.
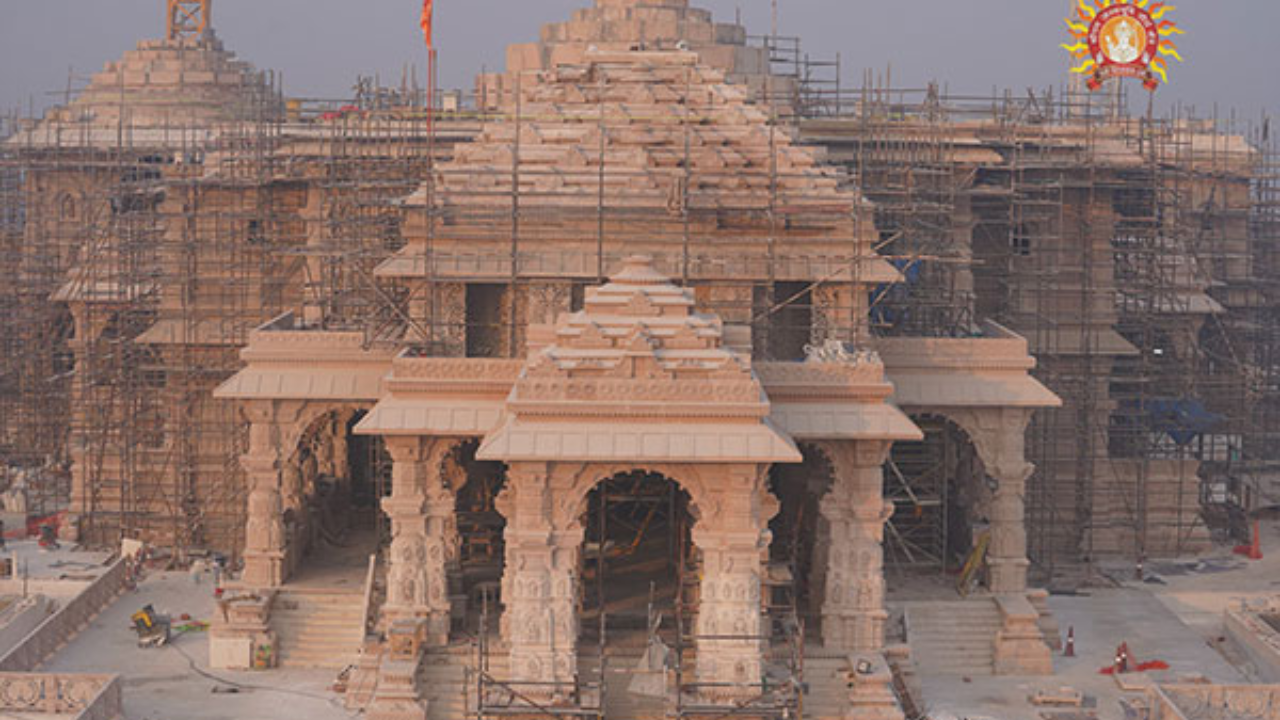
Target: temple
{"points": [[656, 376]]}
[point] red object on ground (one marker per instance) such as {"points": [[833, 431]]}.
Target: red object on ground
{"points": [[1253, 550], [1144, 667], [34, 523], [1070, 649], [1122, 658]]}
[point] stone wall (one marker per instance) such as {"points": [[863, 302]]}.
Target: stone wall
{"points": [[85, 697], [1258, 639], [63, 625], [1201, 702]]}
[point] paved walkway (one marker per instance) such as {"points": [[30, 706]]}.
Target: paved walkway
{"points": [[176, 681]]}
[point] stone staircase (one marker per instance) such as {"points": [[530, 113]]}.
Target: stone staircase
{"points": [[620, 666], [318, 629], [955, 637], [448, 681], [828, 679]]}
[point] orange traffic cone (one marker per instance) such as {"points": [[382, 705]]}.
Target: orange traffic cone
{"points": [[1069, 650], [1253, 550], [1122, 658]]}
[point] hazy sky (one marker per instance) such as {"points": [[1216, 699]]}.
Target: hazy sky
{"points": [[1232, 58]]}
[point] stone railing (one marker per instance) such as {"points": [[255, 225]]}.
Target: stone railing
{"points": [[1189, 702], [63, 625], [84, 697], [1249, 629]]}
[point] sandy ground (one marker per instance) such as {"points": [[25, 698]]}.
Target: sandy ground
{"points": [[175, 682]]}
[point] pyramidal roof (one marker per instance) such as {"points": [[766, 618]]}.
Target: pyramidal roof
{"points": [[163, 92], [666, 145]]}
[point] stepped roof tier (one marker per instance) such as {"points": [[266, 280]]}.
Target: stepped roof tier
{"points": [[622, 25], [164, 93], [649, 151]]}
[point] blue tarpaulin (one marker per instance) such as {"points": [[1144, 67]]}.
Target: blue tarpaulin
{"points": [[1183, 419]]}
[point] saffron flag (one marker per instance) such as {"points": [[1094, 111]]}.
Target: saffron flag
{"points": [[427, 12]]}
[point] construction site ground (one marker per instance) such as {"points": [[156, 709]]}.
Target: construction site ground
{"points": [[1174, 615], [175, 681]]}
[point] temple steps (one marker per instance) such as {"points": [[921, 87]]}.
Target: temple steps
{"points": [[448, 682], [954, 637], [828, 681], [318, 629]]}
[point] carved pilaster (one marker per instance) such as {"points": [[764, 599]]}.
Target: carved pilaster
{"points": [[265, 545], [999, 434], [853, 613], [539, 585], [420, 509], [732, 535]]}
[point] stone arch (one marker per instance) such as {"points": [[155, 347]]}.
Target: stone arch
{"points": [[939, 491], [801, 535], [307, 420], [586, 478], [998, 434], [645, 519]]}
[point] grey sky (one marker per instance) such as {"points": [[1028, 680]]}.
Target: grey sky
{"points": [[321, 45]]}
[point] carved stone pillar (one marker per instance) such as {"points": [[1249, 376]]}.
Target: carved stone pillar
{"points": [[853, 613], [1008, 558], [539, 584], [419, 509], [732, 537], [1000, 437], [264, 555]]}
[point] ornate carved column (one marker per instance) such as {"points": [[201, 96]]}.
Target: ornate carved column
{"points": [[732, 537], [539, 584], [265, 548], [1000, 437], [853, 613], [420, 508]]}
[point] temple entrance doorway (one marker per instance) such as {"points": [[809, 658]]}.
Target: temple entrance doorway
{"points": [[638, 560], [793, 579], [333, 486], [941, 510], [476, 577]]}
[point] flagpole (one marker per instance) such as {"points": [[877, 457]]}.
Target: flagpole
{"points": [[428, 27]]}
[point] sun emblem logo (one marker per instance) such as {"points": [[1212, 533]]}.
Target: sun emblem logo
{"points": [[1123, 38]]}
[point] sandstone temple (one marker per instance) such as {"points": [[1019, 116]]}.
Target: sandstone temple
{"points": [[663, 371]]}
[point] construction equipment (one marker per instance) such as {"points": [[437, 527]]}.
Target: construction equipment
{"points": [[969, 575], [152, 629]]}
